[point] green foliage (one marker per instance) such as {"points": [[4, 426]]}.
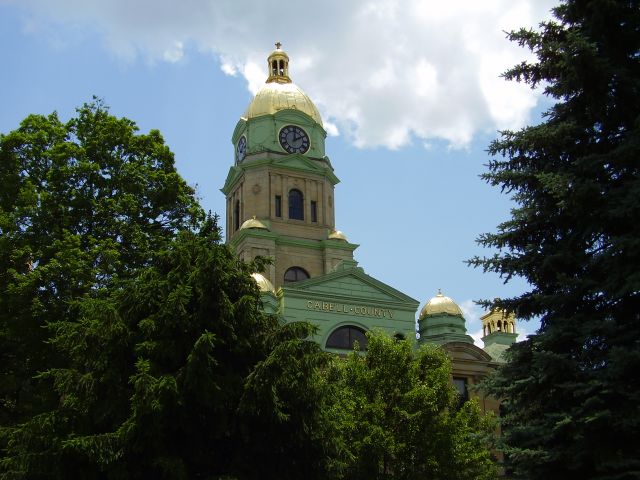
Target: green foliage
{"points": [[399, 416], [133, 344], [83, 205], [154, 372], [572, 390], [288, 430]]}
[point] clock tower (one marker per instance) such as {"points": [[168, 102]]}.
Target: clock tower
{"points": [[280, 204], [280, 190]]}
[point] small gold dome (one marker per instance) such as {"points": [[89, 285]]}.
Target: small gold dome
{"points": [[253, 223], [279, 93], [263, 283], [337, 235], [439, 305]]}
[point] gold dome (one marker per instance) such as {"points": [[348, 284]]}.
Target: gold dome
{"points": [[337, 235], [439, 305], [279, 93], [253, 223], [263, 283]]}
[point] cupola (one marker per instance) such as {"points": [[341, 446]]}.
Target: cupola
{"points": [[499, 332], [441, 322], [440, 305], [278, 63], [279, 92]]}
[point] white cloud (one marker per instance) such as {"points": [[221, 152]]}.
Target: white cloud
{"points": [[254, 74], [524, 331], [175, 53], [229, 69], [477, 338], [331, 128], [383, 73], [472, 313]]}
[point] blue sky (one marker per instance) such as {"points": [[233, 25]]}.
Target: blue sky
{"points": [[409, 91]]}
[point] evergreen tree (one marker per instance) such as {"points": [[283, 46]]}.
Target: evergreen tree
{"points": [[571, 391], [153, 372], [288, 428]]}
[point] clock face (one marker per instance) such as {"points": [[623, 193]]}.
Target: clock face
{"points": [[241, 148], [294, 139]]}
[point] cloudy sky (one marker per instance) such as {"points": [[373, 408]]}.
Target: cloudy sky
{"points": [[409, 90]]}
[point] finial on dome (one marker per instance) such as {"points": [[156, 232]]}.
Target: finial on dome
{"points": [[278, 63], [440, 305]]}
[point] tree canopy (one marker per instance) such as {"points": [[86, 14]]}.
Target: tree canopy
{"points": [[83, 204], [572, 390], [391, 413], [133, 342], [400, 416]]}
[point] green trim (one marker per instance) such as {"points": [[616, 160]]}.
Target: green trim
{"points": [[291, 241], [251, 232], [262, 133], [470, 349], [295, 162], [444, 338], [298, 117], [291, 293], [356, 272], [299, 163], [235, 173], [339, 245], [443, 328], [241, 126]]}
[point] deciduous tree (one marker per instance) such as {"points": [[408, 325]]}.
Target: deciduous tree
{"points": [[400, 416], [82, 204]]}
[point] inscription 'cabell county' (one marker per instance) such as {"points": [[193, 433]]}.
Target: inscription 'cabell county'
{"points": [[363, 310]]}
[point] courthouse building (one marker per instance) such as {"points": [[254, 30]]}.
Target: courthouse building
{"points": [[280, 204]]}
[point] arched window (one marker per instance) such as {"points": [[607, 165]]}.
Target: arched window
{"points": [[344, 338], [295, 274], [296, 204]]}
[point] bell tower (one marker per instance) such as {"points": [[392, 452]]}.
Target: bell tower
{"points": [[499, 332], [280, 189]]}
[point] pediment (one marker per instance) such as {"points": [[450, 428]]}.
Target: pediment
{"points": [[297, 160], [234, 174], [467, 351], [350, 283], [300, 163]]}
